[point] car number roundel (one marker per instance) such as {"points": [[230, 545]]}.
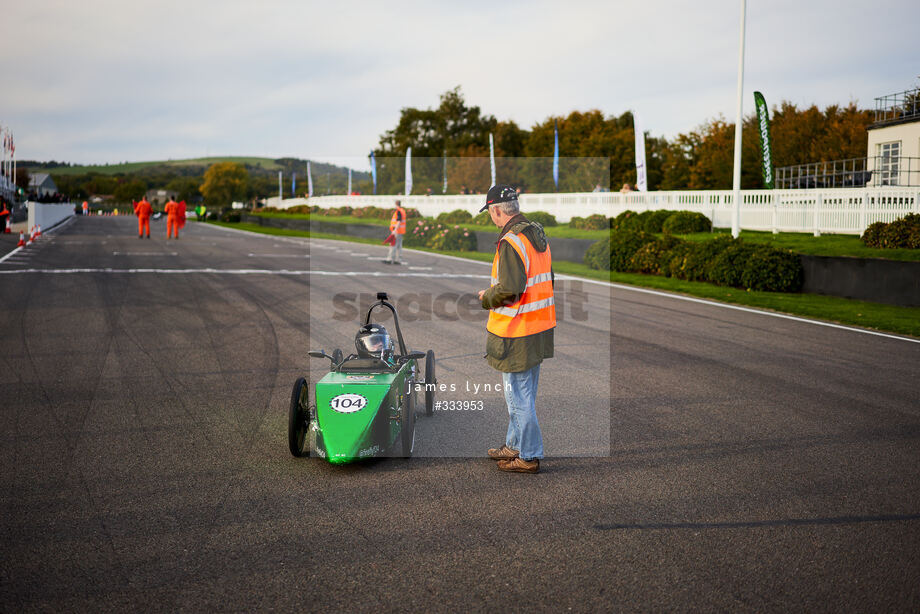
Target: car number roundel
{"points": [[347, 403]]}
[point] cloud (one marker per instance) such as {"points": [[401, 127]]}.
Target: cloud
{"points": [[108, 81]]}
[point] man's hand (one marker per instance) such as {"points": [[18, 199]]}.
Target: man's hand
{"points": [[481, 292]]}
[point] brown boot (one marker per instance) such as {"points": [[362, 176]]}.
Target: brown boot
{"points": [[519, 465], [502, 453]]}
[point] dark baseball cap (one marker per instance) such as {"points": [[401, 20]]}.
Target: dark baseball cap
{"points": [[499, 193]]}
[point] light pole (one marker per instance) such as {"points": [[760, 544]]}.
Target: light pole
{"points": [[736, 175]]}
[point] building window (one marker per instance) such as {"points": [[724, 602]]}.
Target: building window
{"points": [[888, 161]]}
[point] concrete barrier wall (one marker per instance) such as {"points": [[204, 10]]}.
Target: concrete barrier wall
{"points": [[866, 279], [48, 215]]}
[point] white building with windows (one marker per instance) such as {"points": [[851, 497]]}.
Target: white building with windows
{"points": [[893, 152]]}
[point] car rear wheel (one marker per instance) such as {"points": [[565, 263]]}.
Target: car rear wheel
{"points": [[430, 382], [298, 419]]}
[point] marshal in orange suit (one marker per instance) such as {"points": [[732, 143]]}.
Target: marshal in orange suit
{"points": [[143, 210], [172, 218]]}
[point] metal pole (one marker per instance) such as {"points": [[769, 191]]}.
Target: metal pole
{"points": [[736, 176], [280, 193]]}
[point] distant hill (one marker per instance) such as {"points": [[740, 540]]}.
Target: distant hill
{"points": [[190, 166], [184, 176]]}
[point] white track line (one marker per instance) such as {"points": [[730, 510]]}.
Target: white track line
{"points": [[145, 253]]}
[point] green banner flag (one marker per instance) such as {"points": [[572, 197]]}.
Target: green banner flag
{"points": [[763, 125]]}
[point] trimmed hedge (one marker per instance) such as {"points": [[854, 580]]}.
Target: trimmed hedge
{"points": [[903, 233], [723, 261], [428, 232], [542, 218], [592, 222], [457, 216], [686, 222]]}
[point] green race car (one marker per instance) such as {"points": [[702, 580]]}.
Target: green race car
{"points": [[366, 405]]}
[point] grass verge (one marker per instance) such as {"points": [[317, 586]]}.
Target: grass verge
{"points": [[876, 316]]}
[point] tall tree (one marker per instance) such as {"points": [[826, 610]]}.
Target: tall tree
{"points": [[224, 182]]}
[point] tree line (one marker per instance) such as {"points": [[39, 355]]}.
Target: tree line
{"points": [[602, 146]]}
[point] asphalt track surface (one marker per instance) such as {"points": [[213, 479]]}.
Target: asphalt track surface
{"points": [[744, 462]]}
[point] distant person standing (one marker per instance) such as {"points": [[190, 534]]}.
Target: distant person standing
{"points": [[143, 210], [172, 218], [398, 228], [85, 208], [181, 216]]}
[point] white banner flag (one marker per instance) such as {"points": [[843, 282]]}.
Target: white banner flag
{"points": [[309, 180], [408, 171], [641, 181], [348, 193], [492, 157]]}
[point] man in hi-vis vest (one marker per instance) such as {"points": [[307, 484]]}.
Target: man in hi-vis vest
{"points": [[398, 228], [522, 316]]}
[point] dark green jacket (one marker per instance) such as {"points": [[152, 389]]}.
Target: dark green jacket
{"points": [[511, 355]]}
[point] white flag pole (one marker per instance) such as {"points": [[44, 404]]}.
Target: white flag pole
{"points": [[408, 171], [492, 157], [736, 175], [280, 189], [641, 177], [348, 193], [309, 180]]}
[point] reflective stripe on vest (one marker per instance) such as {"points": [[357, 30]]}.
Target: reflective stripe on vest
{"points": [[399, 227], [535, 310]]}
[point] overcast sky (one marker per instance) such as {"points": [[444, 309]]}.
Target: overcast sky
{"points": [[109, 81]]}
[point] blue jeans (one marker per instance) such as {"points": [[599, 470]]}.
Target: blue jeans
{"points": [[523, 428]]}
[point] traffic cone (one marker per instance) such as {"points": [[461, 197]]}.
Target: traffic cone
{"points": [[9, 225], [22, 240], [38, 230]]}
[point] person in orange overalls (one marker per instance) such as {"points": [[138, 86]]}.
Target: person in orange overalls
{"points": [[181, 215], [85, 208], [172, 218], [143, 210]]}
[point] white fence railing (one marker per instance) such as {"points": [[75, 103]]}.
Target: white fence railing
{"points": [[840, 211]]}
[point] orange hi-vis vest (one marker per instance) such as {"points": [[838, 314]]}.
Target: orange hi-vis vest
{"points": [[535, 311], [398, 226]]}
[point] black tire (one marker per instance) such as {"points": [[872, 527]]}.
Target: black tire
{"points": [[430, 382], [299, 419], [407, 425], [337, 356]]}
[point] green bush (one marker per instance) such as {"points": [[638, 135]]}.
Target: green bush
{"points": [[483, 219], [542, 217], [624, 244], [653, 258], [772, 270], [654, 220], [419, 232], [592, 222], [872, 237], [230, 216], [685, 222], [410, 213], [453, 239], [694, 261], [370, 212], [627, 220], [728, 266], [598, 255], [457, 216]]}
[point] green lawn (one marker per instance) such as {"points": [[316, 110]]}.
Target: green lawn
{"points": [[890, 318], [130, 167], [801, 243], [552, 231]]}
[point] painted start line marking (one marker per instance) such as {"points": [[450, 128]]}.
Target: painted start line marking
{"points": [[247, 272], [279, 255]]}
